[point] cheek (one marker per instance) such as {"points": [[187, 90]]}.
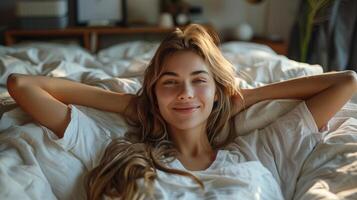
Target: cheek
{"points": [[164, 97], [206, 93], [166, 93]]}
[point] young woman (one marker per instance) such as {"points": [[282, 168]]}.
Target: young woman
{"points": [[189, 95]]}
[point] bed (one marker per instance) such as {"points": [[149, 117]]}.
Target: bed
{"points": [[33, 167]]}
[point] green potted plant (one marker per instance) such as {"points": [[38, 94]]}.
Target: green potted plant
{"points": [[306, 25]]}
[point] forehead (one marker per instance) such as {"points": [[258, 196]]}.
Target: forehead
{"points": [[185, 62]]}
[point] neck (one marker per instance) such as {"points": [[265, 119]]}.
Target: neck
{"points": [[191, 142]]}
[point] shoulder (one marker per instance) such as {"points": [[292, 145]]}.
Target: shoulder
{"points": [[85, 137]]}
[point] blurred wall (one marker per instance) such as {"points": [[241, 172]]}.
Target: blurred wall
{"points": [[7, 12], [269, 18], [7, 16]]}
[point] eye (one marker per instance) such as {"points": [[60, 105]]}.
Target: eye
{"points": [[200, 81], [169, 82]]}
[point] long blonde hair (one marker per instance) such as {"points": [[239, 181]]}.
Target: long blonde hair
{"points": [[148, 148]]}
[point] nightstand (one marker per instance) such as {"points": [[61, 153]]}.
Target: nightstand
{"points": [[280, 46]]}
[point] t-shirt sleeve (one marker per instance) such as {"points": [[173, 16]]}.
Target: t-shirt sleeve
{"points": [[290, 139], [284, 145], [84, 138]]}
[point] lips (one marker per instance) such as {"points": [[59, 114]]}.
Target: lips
{"points": [[186, 109]]}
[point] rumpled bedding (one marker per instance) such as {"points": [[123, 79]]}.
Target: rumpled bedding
{"points": [[33, 167]]}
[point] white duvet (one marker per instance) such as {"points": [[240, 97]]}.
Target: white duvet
{"points": [[33, 167]]}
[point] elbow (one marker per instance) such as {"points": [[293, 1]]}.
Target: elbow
{"points": [[352, 79], [13, 81]]}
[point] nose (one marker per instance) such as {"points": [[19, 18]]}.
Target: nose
{"points": [[186, 92]]}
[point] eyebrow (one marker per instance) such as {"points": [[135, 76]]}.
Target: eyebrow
{"points": [[192, 73]]}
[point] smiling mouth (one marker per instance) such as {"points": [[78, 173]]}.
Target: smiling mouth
{"points": [[187, 109]]}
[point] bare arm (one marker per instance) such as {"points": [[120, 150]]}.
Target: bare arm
{"points": [[46, 99], [325, 94]]}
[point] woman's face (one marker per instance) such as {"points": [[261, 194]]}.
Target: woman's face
{"points": [[185, 91]]}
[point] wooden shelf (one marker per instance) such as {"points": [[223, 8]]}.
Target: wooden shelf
{"points": [[12, 36], [89, 36], [137, 30]]}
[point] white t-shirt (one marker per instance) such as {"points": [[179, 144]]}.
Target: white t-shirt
{"points": [[226, 178], [261, 165]]}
